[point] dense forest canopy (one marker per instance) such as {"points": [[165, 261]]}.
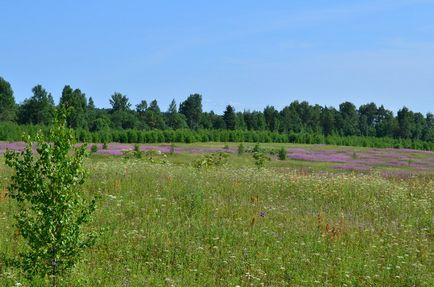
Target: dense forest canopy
{"points": [[368, 120]]}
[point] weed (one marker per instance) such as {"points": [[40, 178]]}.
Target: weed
{"points": [[94, 148], [211, 160]]}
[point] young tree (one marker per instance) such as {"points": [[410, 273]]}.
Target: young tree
{"points": [[51, 209], [7, 101]]}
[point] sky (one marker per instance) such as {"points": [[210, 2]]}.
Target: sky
{"points": [[247, 53]]}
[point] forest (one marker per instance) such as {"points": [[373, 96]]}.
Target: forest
{"points": [[298, 122]]}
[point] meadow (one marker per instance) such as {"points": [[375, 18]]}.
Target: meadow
{"points": [[326, 216]]}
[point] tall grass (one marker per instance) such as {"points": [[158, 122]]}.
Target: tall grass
{"points": [[168, 225]]}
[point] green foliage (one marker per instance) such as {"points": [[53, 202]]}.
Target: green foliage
{"points": [[241, 149], [13, 132], [141, 108], [230, 118], [51, 209], [152, 116], [271, 116], [348, 119], [192, 109], [120, 102], [154, 156], [7, 101], [76, 101], [137, 152], [260, 159], [299, 122], [151, 156], [124, 120], [211, 160], [256, 148], [282, 154], [94, 148], [136, 147], [39, 109], [175, 120]]}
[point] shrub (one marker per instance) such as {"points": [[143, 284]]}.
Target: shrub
{"points": [[260, 159], [94, 148], [51, 210], [282, 154]]}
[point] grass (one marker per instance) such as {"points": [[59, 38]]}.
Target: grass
{"points": [[174, 225]]}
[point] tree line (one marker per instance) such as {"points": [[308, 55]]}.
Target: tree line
{"points": [[369, 120]]}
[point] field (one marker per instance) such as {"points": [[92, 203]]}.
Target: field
{"points": [[327, 216]]}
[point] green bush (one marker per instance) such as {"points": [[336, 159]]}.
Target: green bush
{"points": [[94, 148], [282, 154], [260, 159], [51, 210]]}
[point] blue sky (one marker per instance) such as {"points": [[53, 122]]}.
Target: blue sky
{"points": [[245, 53]]}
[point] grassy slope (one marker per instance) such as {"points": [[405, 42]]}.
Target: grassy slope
{"points": [[172, 225]]}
